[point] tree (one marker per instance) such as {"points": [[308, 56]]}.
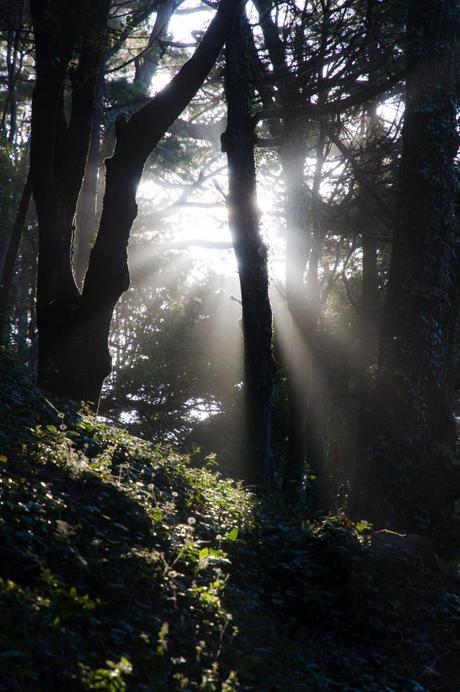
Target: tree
{"points": [[11, 253], [398, 481], [251, 253], [73, 327]]}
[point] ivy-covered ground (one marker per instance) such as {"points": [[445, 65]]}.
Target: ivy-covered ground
{"points": [[122, 567]]}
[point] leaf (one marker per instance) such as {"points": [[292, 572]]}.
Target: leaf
{"points": [[157, 514], [363, 526], [203, 554], [3, 458], [233, 534]]}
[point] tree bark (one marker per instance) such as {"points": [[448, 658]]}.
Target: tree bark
{"points": [[398, 481], [251, 253]]}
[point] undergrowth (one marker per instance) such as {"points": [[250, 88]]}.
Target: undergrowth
{"points": [[122, 567]]}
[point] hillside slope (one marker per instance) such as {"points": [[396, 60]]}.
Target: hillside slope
{"points": [[121, 567]]}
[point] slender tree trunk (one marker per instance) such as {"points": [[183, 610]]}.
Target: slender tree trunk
{"points": [[251, 254], [368, 225], [369, 309], [369, 304], [11, 254], [400, 480]]}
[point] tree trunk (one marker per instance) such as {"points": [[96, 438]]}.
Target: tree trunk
{"points": [[369, 305], [58, 155], [398, 481], [12, 253], [251, 254], [368, 223]]}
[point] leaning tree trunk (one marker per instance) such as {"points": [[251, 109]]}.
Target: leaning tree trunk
{"points": [[251, 254], [73, 328], [398, 481]]}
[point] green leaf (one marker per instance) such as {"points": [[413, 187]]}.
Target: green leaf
{"points": [[3, 458], [157, 514], [233, 534], [362, 526], [203, 554]]}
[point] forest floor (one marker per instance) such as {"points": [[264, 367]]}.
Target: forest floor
{"points": [[122, 567]]}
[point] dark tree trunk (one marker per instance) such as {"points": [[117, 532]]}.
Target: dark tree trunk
{"points": [[11, 254], [369, 303], [398, 482], [73, 329], [368, 223], [58, 155], [251, 254]]}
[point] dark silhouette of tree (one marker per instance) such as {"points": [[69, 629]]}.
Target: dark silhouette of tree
{"points": [[399, 481], [251, 254], [73, 327], [11, 253]]}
